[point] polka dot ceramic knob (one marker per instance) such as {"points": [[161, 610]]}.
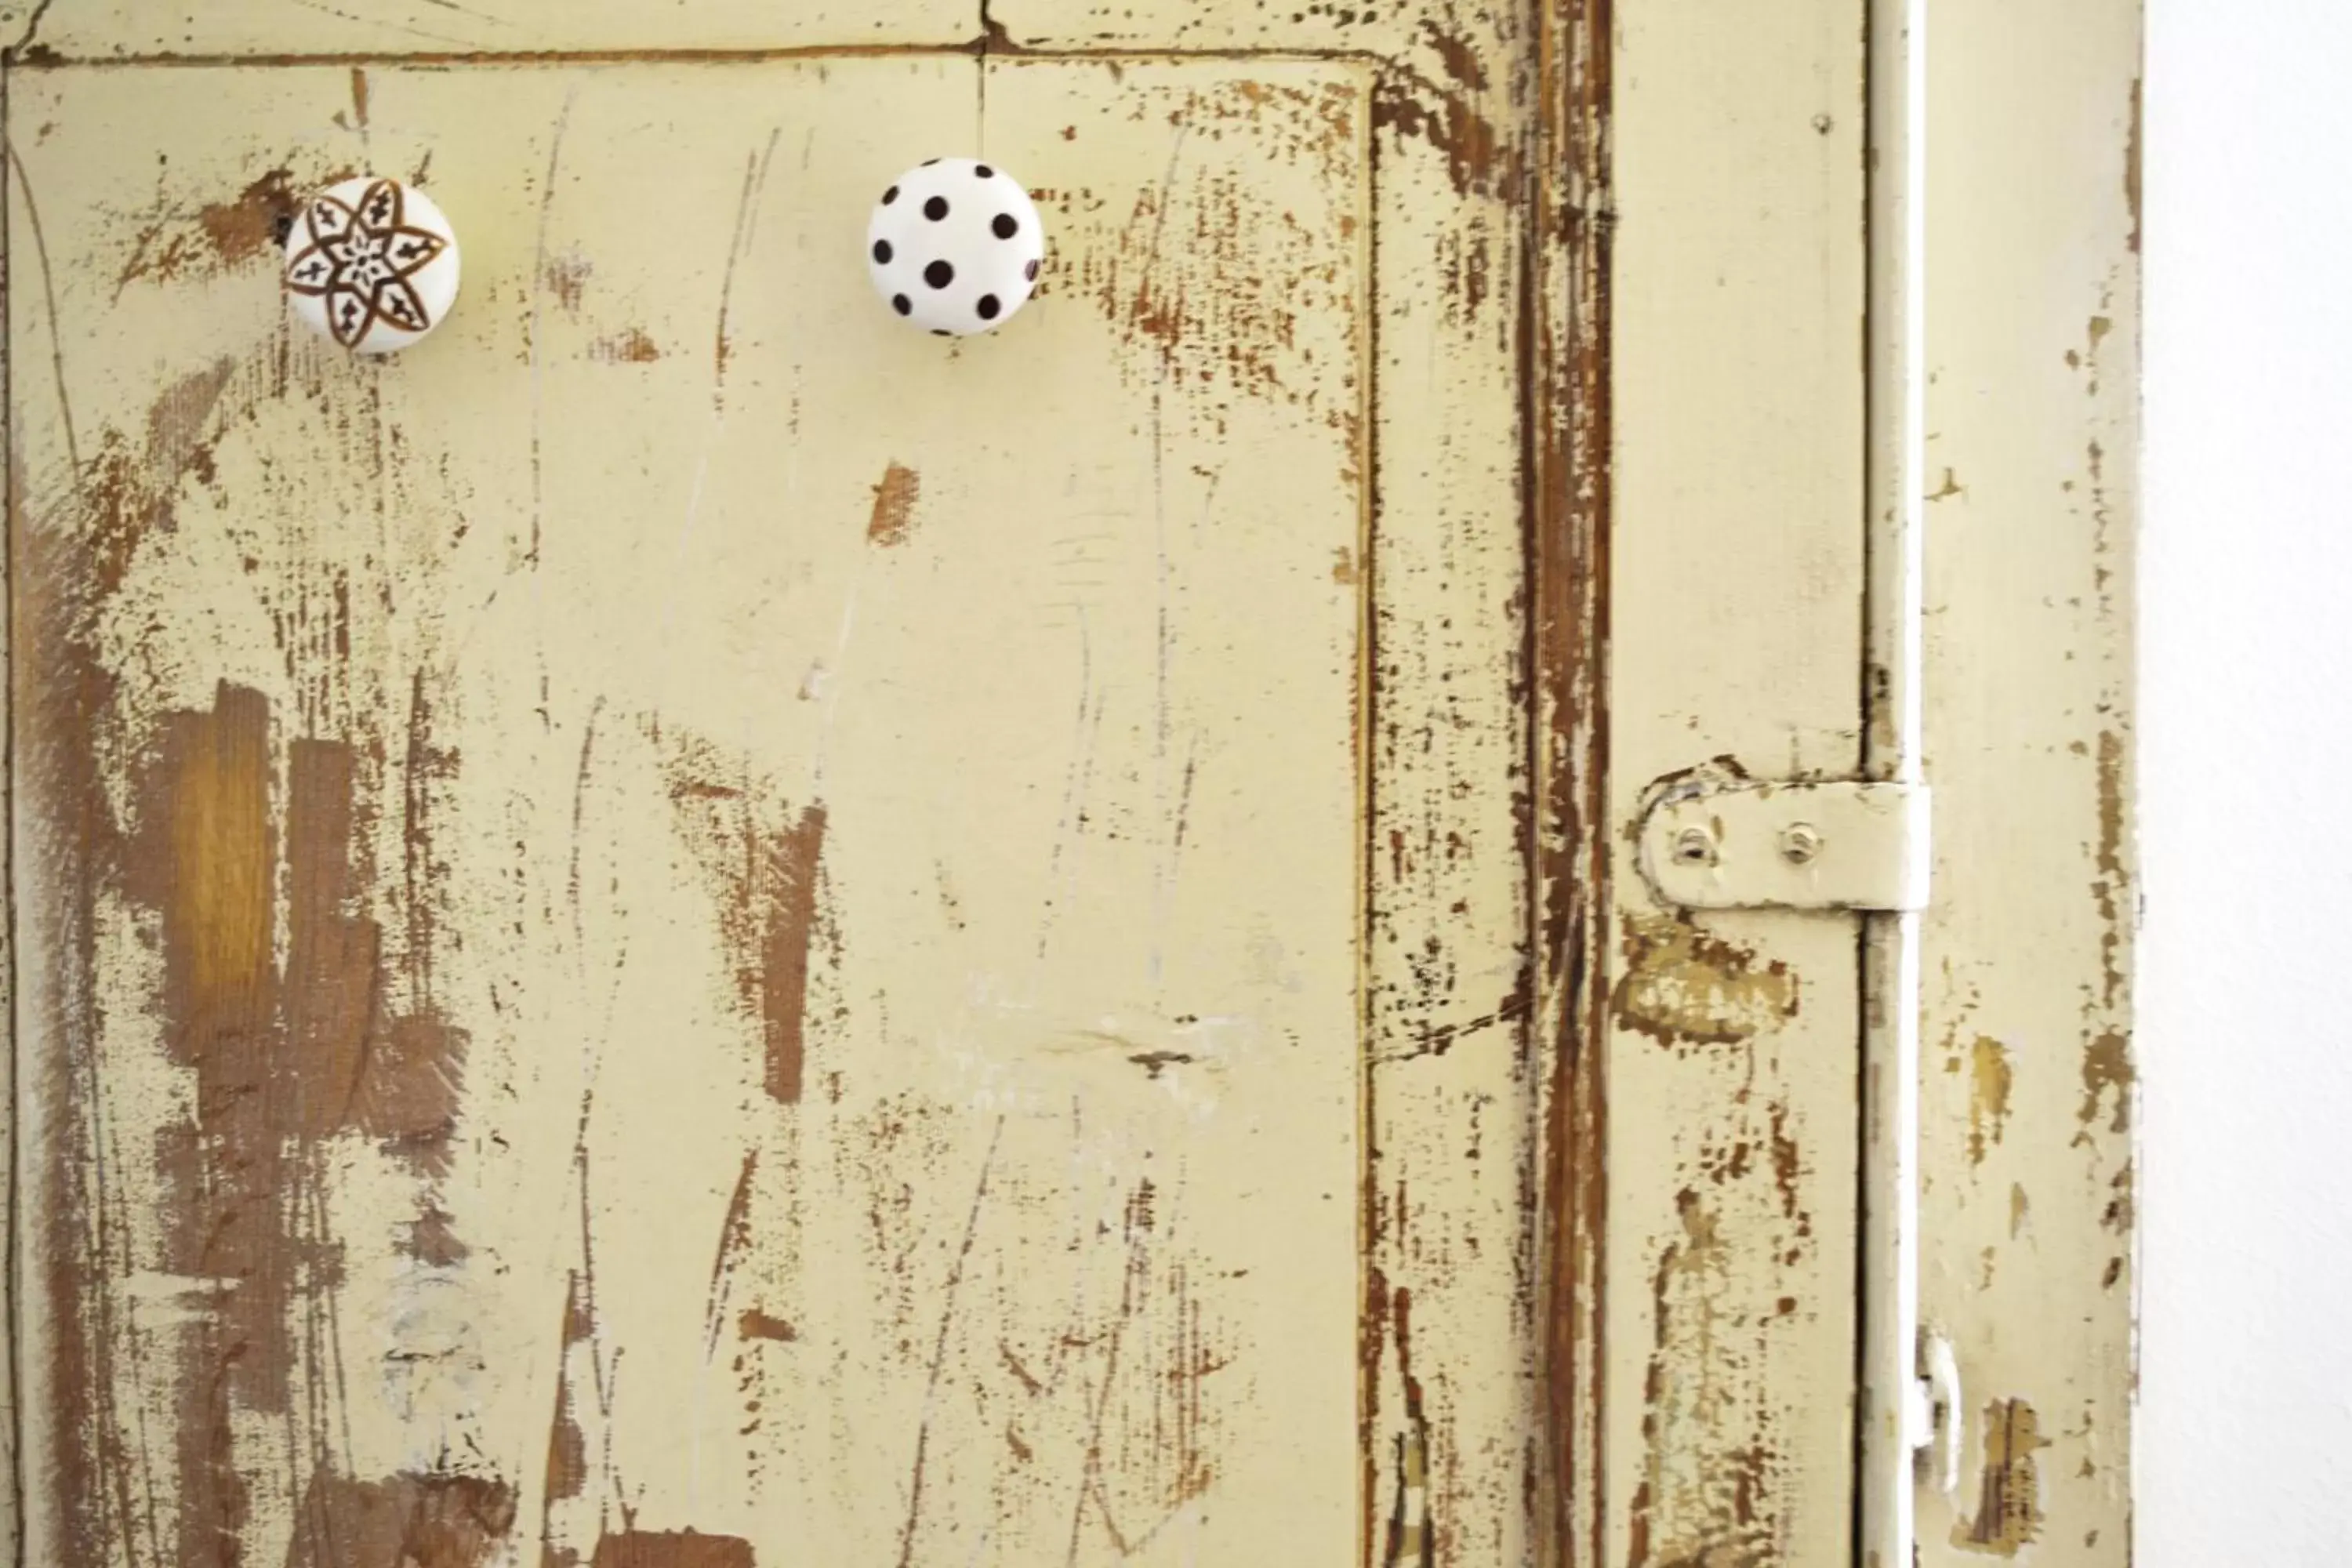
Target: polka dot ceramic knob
{"points": [[955, 246], [373, 264]]}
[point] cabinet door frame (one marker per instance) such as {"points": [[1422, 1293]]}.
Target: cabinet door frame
{"points": [[2027, 1154]]}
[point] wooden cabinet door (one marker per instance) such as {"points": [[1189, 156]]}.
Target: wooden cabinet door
{"points": [[684, 929]]}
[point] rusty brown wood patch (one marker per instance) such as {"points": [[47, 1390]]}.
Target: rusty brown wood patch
{"points": [[471, 972], [671, 1549], [408, 1522], [2007, 1515], [366, 858], [765, 861], [1685, 988], [894, 505], [1568, 522]]}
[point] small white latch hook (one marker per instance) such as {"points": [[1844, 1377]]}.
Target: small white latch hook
{"points": [[1936, 1412]]}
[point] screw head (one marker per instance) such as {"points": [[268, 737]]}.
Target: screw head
{"points": [[1694, 847], [1799, 842]]}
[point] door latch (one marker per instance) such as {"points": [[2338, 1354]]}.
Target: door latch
{"points": [[1709, 843], [1935, 1415]]}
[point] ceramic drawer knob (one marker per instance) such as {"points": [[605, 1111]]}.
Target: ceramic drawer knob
{"points": [[373, 264], [955, 246]]}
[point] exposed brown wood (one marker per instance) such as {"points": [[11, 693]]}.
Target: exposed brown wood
{"points": [[894, 505], [395, 870], [672, 1549], [1568, 494], [2028, 1208], [898, 1199], [407, 1521], [1736, 565], [2007, 1516]]}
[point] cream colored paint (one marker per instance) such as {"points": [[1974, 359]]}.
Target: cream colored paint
{"points": [[97, 29], [1083, 738], [1735, 632], [1456, 1073], [689, 537], [2028, 1207]]}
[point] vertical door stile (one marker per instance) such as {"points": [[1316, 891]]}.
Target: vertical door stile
{"points": [[1738, 309], [1568, 501], [1894, 551]]}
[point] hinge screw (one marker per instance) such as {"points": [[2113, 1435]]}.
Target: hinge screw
{"points": [[1694, 847], [1799, 843]]}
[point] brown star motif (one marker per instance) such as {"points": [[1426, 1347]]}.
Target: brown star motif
{"points": [[359, 260]]}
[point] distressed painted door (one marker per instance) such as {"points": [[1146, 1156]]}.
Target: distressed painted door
{"points": [[683, 928]]}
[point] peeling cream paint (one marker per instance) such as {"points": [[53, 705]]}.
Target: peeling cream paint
{"points": [[2107, 1072], [1683, 987], [1732, 646], [1991, 1081], [694, 1096], [2008, 1517], [2027, 1265], [548, 1034], [894, 505]]}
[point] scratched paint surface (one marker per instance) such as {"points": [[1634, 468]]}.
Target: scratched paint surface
{"points": [[1455, 1387], [1735, 592], [2029, 1220], [679, 1203], [685, 927]]}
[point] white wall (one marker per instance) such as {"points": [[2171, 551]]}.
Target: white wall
{"points": [[2245, 762]]}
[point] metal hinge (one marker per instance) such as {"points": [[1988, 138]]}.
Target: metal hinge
{"points": [[1933, 1415], [1716, 843]]}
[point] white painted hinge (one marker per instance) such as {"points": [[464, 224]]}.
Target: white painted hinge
{"points": [[1712, 843], [1933, 1415]]}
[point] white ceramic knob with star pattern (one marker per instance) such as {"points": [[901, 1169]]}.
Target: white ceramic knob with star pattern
{"points": [[955, 246], [372, 263]]}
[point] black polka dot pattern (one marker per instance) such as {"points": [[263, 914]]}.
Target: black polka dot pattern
{"points": [[960, 254]]}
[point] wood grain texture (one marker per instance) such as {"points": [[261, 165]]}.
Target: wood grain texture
{"points": [[588, 1003], [687, 929], [1455, 1083], [1454, 1408], [2027, 1213], [1571, 481]]}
